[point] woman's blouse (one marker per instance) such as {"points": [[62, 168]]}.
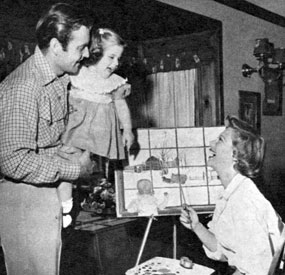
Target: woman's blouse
{"points": [[246, 227]]}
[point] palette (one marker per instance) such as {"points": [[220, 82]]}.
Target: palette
{"points": [[167, 266]]}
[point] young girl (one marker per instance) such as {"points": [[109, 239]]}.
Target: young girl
{"points": [[98, 109]]}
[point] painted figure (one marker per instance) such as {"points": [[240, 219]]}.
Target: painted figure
{"points": [[146, 204]]}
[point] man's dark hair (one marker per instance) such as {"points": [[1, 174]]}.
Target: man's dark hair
{"points": [[59, 22]]}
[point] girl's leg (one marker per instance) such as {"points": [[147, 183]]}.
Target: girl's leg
{"points": [[65, 195]]}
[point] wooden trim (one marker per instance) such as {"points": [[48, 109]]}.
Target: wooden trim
{"points": [[254, 10]]}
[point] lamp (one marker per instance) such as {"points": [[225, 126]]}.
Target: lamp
{"points": [[247, 71], [271, 61]]}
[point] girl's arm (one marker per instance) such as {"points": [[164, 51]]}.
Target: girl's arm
{"points": [[125, 118]]}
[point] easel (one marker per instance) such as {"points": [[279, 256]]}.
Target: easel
{"points": [[174, 231], [183, 203], [151, 218]]}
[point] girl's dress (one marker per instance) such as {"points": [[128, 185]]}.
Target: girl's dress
{"points": [[93, 123]]}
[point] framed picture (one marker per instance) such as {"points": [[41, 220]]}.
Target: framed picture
{"points": [[167, 170], [249, 108]]}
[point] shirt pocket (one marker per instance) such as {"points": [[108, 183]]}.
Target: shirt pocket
{"points": [[52, 122]]}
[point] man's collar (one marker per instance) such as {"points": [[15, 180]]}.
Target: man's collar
{"points": [[47, 74]]}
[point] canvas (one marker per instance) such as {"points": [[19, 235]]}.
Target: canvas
{"points": [[166, 169]]}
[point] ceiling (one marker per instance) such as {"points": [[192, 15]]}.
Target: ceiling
{"points": [[271, 10], [135, 20], [275, 6]]}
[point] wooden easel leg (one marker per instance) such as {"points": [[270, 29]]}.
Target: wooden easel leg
{"points": [[174, 240], [144, 239]]}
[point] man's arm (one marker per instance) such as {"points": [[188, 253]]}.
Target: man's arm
{"points": [[19, 132]]}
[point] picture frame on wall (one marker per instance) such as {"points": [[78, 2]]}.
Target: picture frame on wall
{"points": [[250, 108]]}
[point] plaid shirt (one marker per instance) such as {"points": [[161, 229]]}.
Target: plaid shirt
{"points": [[33, 110]]}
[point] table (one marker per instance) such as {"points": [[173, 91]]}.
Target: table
{"points": [[104, 243], [89, 222], [110, 246]]}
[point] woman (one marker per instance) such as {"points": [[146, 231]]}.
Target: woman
{"points": [[245, 229]]}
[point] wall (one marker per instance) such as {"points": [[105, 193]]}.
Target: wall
{"points": [[239, 33]]}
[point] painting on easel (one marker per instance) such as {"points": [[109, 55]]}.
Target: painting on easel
{"points": [[166, 169]]}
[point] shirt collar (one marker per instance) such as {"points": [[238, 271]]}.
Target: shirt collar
{"points": [[233, 186], [47, 74]]}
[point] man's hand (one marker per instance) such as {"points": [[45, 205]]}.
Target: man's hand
{"points": [[87, 165], [83, 157], [69, 152]]}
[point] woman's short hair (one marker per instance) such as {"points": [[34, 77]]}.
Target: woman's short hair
{"points": [[248, 147], [59, 22], [100, 40]]}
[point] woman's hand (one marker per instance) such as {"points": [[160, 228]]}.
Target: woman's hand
{"points": [[189, 217]]}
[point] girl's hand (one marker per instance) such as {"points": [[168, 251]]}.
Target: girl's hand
{"points": [[189, 217], [128, 138]]}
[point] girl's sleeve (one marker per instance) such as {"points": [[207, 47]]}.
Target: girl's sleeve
{"points": [[122, 92]]}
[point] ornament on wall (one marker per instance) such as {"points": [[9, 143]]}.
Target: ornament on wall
{"points": [[196, 58], [2, 54], [161, 64], [177, 63]]}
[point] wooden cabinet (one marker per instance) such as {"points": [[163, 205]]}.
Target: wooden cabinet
{"points": [[98, 246]]}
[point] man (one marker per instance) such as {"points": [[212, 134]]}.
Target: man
{"points": [[33, 113]]}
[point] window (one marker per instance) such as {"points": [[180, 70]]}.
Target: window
{"points": [[176, 82]]}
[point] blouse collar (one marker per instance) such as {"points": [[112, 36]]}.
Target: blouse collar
{"points": [[233, 186]]}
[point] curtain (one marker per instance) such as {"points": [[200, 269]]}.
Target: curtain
{"points": [[171, 98]]}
